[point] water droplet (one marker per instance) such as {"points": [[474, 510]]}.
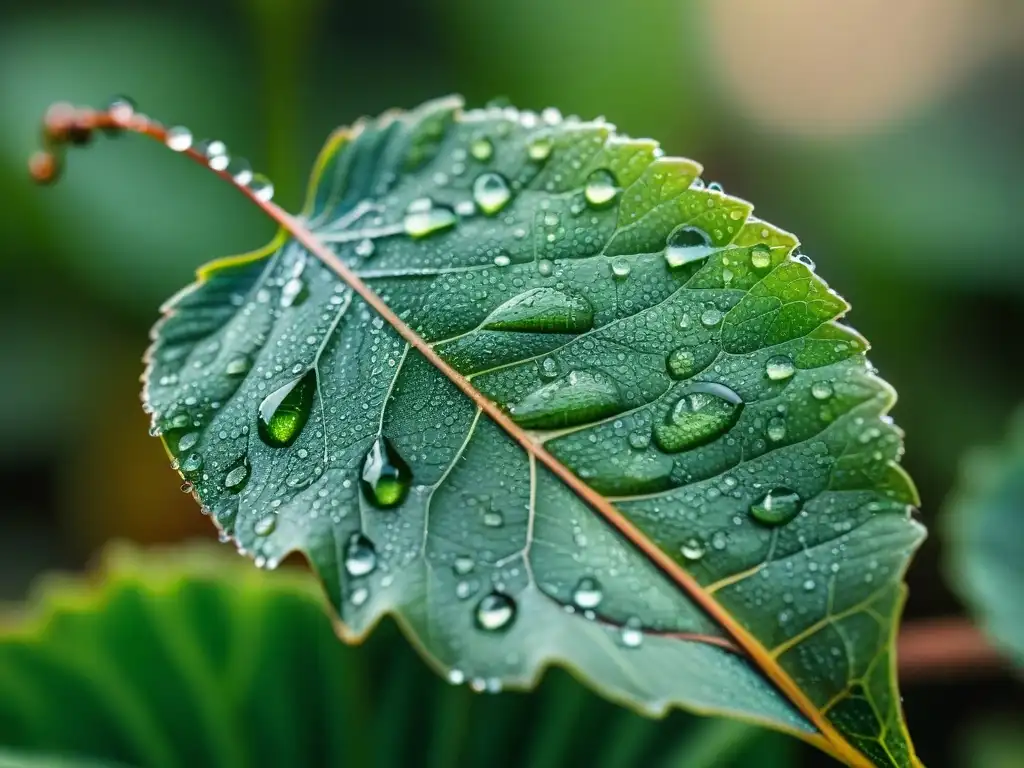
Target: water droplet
{"points": [[761, 256], [192, 463], [121, 109], [294, 292], [776, 429], [639, 440], [235, 480], [360, 596], [465, 589], [543, 310], [240, 170], [687, 245], [719, 540], [360, 555], [493, 519], [779, 506], [704, 412], [502, 260], [692, 549], [364, 248], [631, 634], [545, 267], [386, 477], [491, 192], [540, 148], [237, 366], [779, 368], [217, 156], [261, 188], [575, 398], [431, 221], [711, 317], [456, 676], [496, 611], [588, 593], [684, 362], [714, 186], [482, 149], [265, 525], [187, 441], [821, 390], [549, 368], [179, 138], [463, 565], [283, 413], [620, 268], [601, 189], [809, 585]]}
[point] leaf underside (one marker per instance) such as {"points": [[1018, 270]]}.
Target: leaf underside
{"points": [[985, 530], [670, 349]]}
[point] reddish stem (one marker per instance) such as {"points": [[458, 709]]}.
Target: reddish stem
{"points": [[946, 648]]}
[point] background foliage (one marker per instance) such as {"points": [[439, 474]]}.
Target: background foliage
{"points": [[888, 137]]}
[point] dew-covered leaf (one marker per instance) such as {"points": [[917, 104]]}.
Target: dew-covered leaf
{"points": [[985, 531], [189, 657], [672, 351]]}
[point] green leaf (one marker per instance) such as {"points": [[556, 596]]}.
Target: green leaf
{"points": [[190, 657], [984, 526], [693, 496]]}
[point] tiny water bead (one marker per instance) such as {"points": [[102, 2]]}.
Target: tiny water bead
{"points": [[240, 170], [687, 245], [360, 555], [760, 256], [777, 507], [705, 412], [587, 594], [491, 192], [776, 429], [179, 138], [495, 612], [631, 634], [821, 390], [261, 188], [238, 366], [481, 149], [217, 156], [121, 109], [236, 478], [600, 188], [423, 223], [365, 248], [779, 368], [294, 292], [386, 477], [284, 412]]}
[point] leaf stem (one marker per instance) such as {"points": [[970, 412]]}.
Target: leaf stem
{"points": [[944, 648]]}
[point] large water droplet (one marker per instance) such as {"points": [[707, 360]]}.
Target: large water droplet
{"points": [[710, 317], [631, 634], [779, 506], [620, 268], [706, 411], [600, 189], [481, 149], [495, 612], [821, 390], [265, 525], [687, 245], [575, 398], [236, 478], [692, 549], [294, 292], [217, 156], [684, 362], [192, 463], [386, 477], [187, 441], [283, 413], [779, 368], [491, 192], [587, 594], [540, 148], [760, 256], [179, 138], [463, 564], [776, 429], [237, 366], [360, 555], [261, 187], [420, 223], [544, 310], [240, 170]]}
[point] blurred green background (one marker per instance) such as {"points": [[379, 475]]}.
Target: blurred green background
{"points": [[887, 135]]}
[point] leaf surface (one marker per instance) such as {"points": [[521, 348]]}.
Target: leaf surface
{"points": [[985, 530], [669, 350], [190, 657]]}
